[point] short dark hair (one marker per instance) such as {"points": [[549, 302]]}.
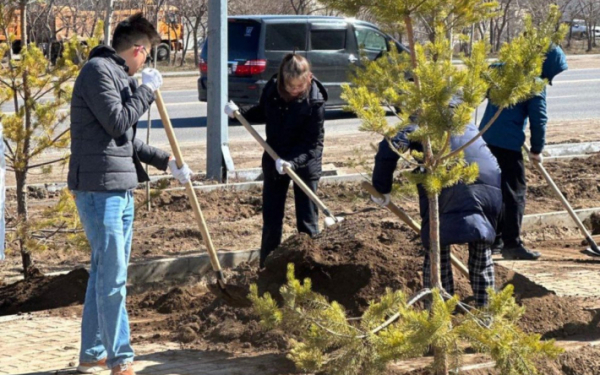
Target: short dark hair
{"points": [[134, 30]]}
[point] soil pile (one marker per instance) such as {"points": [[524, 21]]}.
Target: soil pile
{"points": [[547, 314], [351, 263], [44, 292], [352, 267]]}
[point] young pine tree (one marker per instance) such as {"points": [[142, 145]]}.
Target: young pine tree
{"points": [[39, 93], [422, 83]]}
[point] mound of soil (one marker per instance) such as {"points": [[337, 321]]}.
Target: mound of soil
{"points": [[353, 267], [44, 292], [546, 313], [352, 263]]}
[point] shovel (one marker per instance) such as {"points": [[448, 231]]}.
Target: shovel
{"points": [[411, 223], [593, 248], [232, 294], [330, 219]]}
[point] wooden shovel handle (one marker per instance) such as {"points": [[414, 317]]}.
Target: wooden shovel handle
{"points": [[563, 200], [411, 223], [214, 260], [392, 207], [289, 171]]}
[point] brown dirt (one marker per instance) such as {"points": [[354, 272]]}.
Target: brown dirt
{"points": [[577, 179], [352, 268], [235, 222], [348, 265], [44, 292]]}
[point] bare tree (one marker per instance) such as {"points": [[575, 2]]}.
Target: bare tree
{"points": [[194, 16], [589, 12], [244, 7]]}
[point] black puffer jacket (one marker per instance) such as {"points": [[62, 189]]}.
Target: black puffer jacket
{"points": [[294, 129], [468, 213], [106, 106]]}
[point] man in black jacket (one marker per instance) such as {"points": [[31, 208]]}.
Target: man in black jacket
{"points": [[468, 213], [105, 167]]}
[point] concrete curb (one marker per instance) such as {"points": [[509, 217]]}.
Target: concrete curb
{"points": [[243, 186], [558, 219], [569, 149], [565, 158], [168, 270], [180, 268]]}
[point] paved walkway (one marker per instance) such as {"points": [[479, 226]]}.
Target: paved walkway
{"points": [[565, 271], [38, 344]]}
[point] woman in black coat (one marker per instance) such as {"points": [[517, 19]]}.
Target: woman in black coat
{"points": [[292, 106]]}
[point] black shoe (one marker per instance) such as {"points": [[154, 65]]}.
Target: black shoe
{"points": [[497, 247], [520, 252]]}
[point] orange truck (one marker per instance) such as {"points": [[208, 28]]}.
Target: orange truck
{"points": [[63, 25]]}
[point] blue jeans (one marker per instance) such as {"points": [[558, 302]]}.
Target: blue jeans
{"points": [[107, 218]]}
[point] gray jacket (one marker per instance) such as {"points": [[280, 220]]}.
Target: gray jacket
{"points": [[106, 106]]}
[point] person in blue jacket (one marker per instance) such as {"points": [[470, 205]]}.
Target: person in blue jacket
{"points": [[505, 139], [468, 213]]}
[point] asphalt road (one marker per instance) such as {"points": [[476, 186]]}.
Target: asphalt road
{"points": [[575, 95]]}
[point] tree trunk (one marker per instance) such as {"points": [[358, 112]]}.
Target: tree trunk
{"points": [[434, 242], [589, 37], [23, 9], [492, 44], [436, 279], [108, 21], [186, 45], [22, 219], [196, 52]]}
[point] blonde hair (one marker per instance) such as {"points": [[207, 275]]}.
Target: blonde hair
{"points": [[293, 66]]}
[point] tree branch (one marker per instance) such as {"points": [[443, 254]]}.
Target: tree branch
{"points": [[472, 140], [47, 163]]}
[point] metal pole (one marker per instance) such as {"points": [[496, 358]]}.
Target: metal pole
{"points": [[218, 160]]}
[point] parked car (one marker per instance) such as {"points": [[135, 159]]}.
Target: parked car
{"points": [[580, 30], [257, 45]]}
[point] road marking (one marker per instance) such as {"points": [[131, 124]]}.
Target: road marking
{"points": [[182, 103], [577, 81]]}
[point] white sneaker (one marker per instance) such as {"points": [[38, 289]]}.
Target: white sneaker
{"points": [[92, 368]]}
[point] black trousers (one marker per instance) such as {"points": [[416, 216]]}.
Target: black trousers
{"points": [[274, 194], [514, 187]]}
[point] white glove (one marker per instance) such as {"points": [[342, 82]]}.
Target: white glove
{"points": [[381, 201], [280, 164], [152, 78], [182, 174], [230, 109], [536, 157]]}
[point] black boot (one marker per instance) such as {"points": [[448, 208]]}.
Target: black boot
{"points": [[519, 252], [497, 246]]}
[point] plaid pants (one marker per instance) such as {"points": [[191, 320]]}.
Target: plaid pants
{"points": [[481, 270]]}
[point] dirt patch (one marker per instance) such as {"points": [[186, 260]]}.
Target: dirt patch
{"points": [[351, 267], [44, 292], [547, 314], [347, 265], [577, 179]]}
